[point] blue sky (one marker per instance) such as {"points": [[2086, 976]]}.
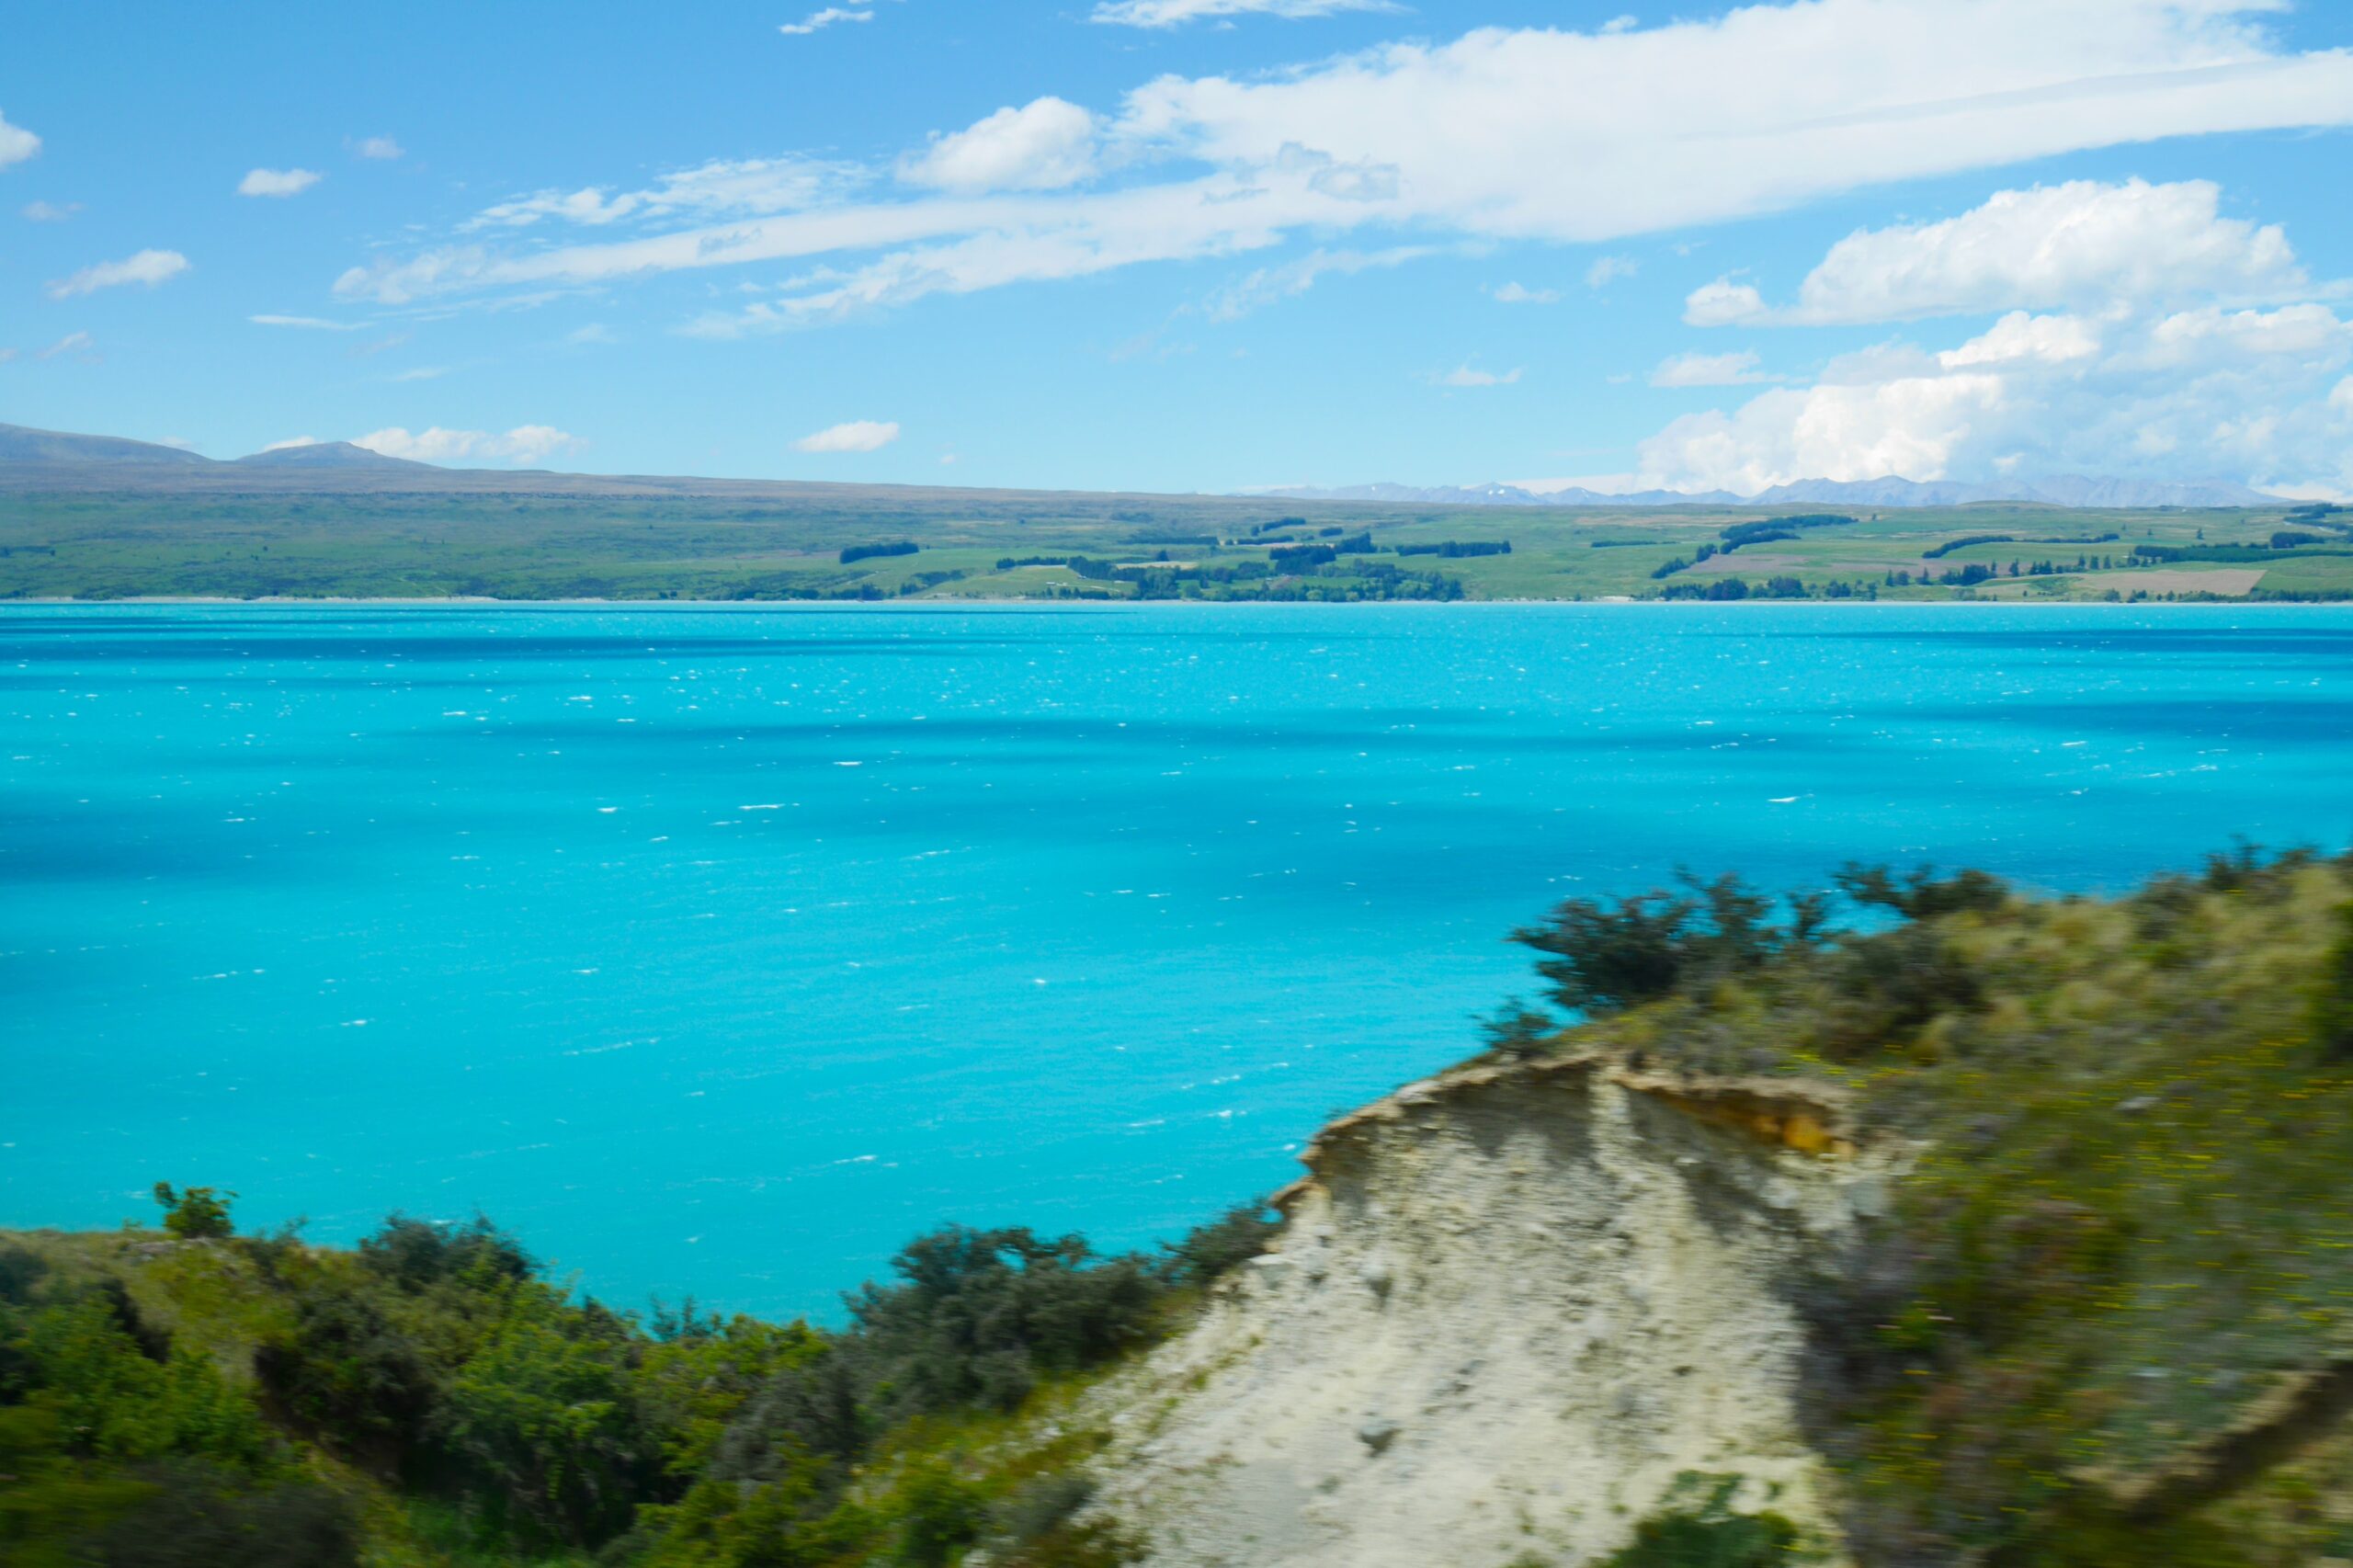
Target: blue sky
{"points": [[1195, 244]]}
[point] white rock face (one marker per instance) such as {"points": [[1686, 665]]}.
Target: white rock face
{"points": [[1509, 1313]]}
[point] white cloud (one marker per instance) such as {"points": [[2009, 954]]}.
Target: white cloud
{"points": [[1267, 285], [2157, 364], [277, 182], [288, 446], [311, 323], [526, 443], [1722, 303], [2213, 337], [1708, 370], [852, 436], [1505, 134], [16, 143], [423, 373], [820, 20], [2058, 245], [382, 147], [1514, 294], [1464, 376], [2019, 338], [2197, 394], [149, 267], [1607, 269], [51, 211], [593, 331], [721, 188], [1043, 145], [1176, 12], [71, 343]]}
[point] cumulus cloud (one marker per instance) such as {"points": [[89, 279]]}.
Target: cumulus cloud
{"points": [[1607, 269], [2021, 338], [851, 436], [2059, 244], [51, 211], [2140, 331], [1708, 370], [379, 147], [526, 443], [818, 21], [1464, 376], [1043, 145], [1516, 294], [1176, 12], [2200, 393], [1512, 134], [277, 182], [148, 266], [16, 143]]}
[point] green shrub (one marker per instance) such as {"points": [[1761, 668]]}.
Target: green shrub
{"points": [[1696, 1528], [1603, 958], [1227, 1242], [201, 1213], [2333, 992]]}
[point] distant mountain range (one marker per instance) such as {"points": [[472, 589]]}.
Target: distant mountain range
{"points": [[56, 460], [2062, 490], [22, 447]]}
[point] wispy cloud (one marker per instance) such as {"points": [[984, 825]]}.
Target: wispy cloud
{"points": [[16, 143], [1607, 269], [851, 436], [1708, 370], [278, 182], [526, 443], [1176, 13], [71, 343], [380, 147], [51, 211], [1269, 284], [1501, 135], [1465, 376], [311, 324], [1519, 294], [820, 20], [148, 267]]}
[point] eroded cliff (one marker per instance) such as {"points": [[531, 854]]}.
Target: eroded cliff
{"points": [[1511, 1310]]}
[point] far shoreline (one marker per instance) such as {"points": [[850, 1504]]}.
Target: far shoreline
{"points": [[964, 604]]}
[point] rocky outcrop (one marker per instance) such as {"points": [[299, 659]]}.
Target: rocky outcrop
{"points": [[1510, 1309]]}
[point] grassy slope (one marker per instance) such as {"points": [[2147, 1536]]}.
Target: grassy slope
{"points": [[2129, 1233], [553, 546]]}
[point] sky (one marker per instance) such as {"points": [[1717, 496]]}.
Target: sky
{"points": [[1197, 244]]}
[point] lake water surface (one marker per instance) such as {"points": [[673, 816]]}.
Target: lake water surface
{"points": [[720, 949]]}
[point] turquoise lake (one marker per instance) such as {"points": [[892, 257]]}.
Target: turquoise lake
{"points": [[720, 949]]}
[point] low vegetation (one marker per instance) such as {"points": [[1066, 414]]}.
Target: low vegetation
{"points": [[429, 1397], [2109, 1317]]}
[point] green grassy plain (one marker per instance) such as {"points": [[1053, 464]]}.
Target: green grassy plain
{"points": [[91, 545]]}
